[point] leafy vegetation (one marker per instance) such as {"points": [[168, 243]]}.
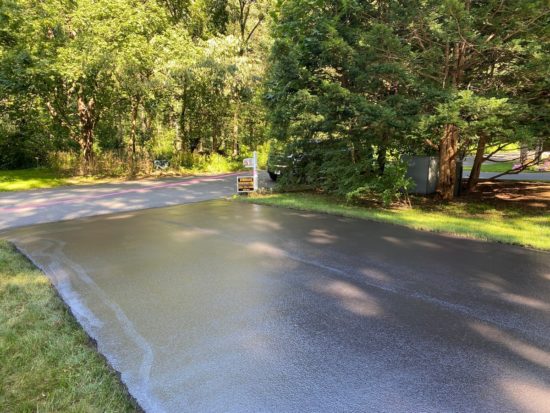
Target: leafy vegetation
{"points": [[118, 84], [112, 85], [46, 360], [478, 221], [384, 78]]}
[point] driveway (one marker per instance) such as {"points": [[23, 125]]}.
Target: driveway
{"points": [[221, 306]]}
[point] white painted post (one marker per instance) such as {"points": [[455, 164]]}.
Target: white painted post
{"points": [[255, 171]]}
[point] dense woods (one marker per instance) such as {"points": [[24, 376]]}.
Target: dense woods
{"points": [[139, 79], [353, 84]]}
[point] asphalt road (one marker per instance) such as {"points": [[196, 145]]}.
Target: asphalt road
{"points": [[64, 203], [222, 306], [523, 176]]}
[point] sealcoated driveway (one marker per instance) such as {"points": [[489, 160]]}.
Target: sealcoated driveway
{"points": [[222, 306]]}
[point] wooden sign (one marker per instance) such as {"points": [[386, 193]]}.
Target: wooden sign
{"points": [[245, 184]]}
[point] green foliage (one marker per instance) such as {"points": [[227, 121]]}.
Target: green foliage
{"points": [[390, 77], [339, 78], [390, 187], [475, 115], [144, 79]]}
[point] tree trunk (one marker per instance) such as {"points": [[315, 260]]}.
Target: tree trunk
{"points": [[236, 131], [381, 159], [184, 146], [523, 154], [448, 148], [134, 126], [539, 150], [478, 160], [87, 120]]}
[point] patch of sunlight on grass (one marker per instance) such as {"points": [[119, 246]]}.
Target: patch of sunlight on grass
{"points": [[38, 178], [46, 360], [508, 226]]}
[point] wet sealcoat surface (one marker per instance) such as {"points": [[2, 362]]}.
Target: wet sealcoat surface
{"points": [[229, 307]]}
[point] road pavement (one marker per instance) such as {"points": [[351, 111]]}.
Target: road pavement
{"points": [[222, 306], [64, 203], [523, 176]]}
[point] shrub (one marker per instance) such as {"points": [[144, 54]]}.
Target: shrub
{"points": [[335, 168]]}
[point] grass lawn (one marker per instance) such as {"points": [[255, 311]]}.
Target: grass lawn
{"points": [[499, 167], [46, 361], [472, 220], [23, 179]]}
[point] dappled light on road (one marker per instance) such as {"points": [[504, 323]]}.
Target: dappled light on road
{"points": [[321, 236], [352, 298], [528, 396], [38, 206], [527, 351]]}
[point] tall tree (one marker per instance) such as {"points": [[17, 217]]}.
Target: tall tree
{"points": [[479, 46]]}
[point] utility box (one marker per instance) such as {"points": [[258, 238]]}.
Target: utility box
{"points": [[424, 171]]}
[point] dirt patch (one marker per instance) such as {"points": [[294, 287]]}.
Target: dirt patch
{"points": [[507, 196], [533, 196]]}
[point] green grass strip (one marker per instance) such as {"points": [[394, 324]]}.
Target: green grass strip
{"points": [[47, 363], [39, 178], [477, 221]]}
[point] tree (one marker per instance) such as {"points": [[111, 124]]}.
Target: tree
{"points": [[480, 46], [339, 76], [378, 75]]}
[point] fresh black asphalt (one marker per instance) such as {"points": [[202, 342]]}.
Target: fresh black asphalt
{"points": [[223, 306]]}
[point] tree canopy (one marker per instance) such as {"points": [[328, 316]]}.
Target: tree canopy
{"points": [[356, 84], [164, 78], [387, 77]]}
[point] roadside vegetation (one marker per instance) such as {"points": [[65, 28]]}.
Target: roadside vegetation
{"points": [[107, 87], [374, 81], [47, 363], [37, 178], [471, 219]]}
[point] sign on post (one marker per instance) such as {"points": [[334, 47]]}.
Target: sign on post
{"points": [[246, 184]]}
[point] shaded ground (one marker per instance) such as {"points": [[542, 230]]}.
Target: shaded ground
{"points": [[233, 307], [530, 196]]}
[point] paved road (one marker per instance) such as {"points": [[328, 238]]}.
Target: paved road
{"points": [[227, 307], [57, 204], [523, 176]]}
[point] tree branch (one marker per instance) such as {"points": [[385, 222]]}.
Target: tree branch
{"points": [[516, 171]]}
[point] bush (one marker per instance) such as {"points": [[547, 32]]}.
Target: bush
{"points": [[389, 187], [334, 168]]}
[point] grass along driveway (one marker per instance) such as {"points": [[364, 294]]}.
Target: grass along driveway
{"points": [[47, 363], [471, 220]]}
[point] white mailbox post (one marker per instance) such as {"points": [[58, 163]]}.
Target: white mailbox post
{"points": [[243, 182]]}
